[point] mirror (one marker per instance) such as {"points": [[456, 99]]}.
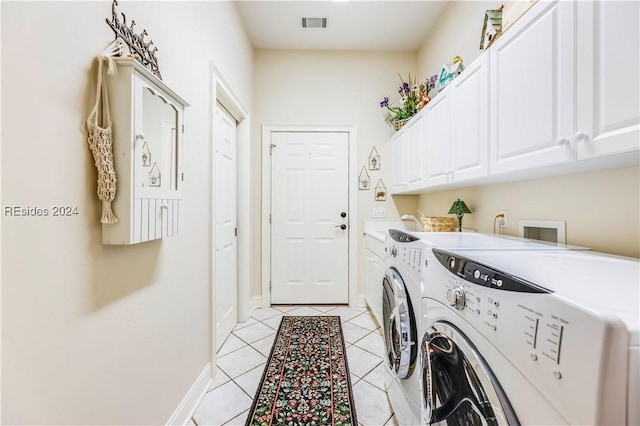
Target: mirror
{"points": [[158, 147]]}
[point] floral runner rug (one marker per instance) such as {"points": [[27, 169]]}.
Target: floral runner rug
{"points": [[306, 379]]}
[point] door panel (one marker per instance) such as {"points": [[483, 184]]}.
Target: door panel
{"points": [[225, 263], [309, 191]]}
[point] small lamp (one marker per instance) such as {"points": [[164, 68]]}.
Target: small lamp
{"points": [[459, 208]]}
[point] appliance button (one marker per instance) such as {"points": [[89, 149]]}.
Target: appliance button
{"points": [[493, 314], [557, 374], [394, 251], [533, 356], [476, 274], [452, 263]]}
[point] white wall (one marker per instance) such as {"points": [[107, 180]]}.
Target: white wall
{"points": [[334, 88], [94, 334]]}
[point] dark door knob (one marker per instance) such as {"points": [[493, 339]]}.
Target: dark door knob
{"points": [[343, 214], [343, 226]]}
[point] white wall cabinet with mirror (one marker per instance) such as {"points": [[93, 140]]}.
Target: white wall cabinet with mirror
{"points": [[148, 127]]}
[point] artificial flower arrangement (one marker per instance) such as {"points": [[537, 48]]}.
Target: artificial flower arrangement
{"points": [[413, 97]]}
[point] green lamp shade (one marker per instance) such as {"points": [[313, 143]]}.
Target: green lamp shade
{"points": [[459, 207]]}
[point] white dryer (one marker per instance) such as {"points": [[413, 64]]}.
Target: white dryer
{"points": [[520, 337], [403, 288]]}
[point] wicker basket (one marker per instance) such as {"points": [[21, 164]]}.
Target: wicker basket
{"points": [[398, 124], [440, 224]]}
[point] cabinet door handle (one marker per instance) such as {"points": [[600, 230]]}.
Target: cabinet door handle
{"points": [[563, 141], [164, 206], [581, 136]]}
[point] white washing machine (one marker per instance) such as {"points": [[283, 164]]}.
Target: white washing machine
{"points": [[403, 288], [520, 337]]}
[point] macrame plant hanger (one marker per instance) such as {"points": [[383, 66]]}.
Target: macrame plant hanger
{"points": [[100, 137]]}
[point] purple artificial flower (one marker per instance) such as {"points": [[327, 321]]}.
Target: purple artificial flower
{"points": [[405, 87], [384, 102]]}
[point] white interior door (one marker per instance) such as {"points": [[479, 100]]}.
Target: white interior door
{"points": [[225, 262], [309, 207]]}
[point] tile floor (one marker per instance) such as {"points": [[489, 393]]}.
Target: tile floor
{"points": [[242, 358]]}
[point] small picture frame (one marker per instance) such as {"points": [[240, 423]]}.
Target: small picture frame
{"points": [[381, 191], [146, 156], [492, 27], [374, 159], [364, 180]]}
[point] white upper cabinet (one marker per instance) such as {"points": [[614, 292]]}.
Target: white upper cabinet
{"points": [[458, 127], [608, 73], [438, 134], [470, 121], [415, 152], [398, 152], [532, 90]]}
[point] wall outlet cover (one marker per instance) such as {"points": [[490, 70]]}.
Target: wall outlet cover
{"points": [[378, 212]]}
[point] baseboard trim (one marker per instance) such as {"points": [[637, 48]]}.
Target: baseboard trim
{"points": [[254, 303], [362, 301], [187, 408]]}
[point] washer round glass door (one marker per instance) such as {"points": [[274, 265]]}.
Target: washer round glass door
{"points": [[458, 387], [399, 325]]}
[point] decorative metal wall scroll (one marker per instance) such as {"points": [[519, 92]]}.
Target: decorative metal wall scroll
{"points": [[381, 191], [374, 159], [364, 180], [138, 48]]}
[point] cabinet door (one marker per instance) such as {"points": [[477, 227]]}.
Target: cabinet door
{"points": [[470, 121], [438, 135], [608, 58], [415, 152], [398, 149], [532, 90], [373, 283]]}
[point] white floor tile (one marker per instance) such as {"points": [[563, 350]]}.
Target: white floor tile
{"points": [[264, 345], [241, 361], [365, 320], [219, 379], [305, 311], [392, 421], [247, 323], [254, 332], [353, 333], [345, 312], [249, 381], [231, 344], [373, 343], [238, 421], [222, 404], [263, 314], [372, 404], [379, 377], [274, 322], [361, 361], [285, 308], [324, 308]]}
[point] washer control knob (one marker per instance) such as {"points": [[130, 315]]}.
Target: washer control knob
{"points": [[476, 274], [456, 297], [394, 251]]}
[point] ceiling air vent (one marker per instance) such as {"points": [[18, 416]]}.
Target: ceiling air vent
{"points": [[314, 22]]}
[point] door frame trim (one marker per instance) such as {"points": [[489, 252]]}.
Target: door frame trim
{"points": [[220, 91], [352, 131]]}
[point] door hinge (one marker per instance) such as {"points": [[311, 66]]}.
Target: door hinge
{"points": [[182, 176], [269, 285], [269, 218], [271, 149], [183, 128], [236, 231]]}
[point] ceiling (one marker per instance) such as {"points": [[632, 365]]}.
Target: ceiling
{"points": [[351, 25]]}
